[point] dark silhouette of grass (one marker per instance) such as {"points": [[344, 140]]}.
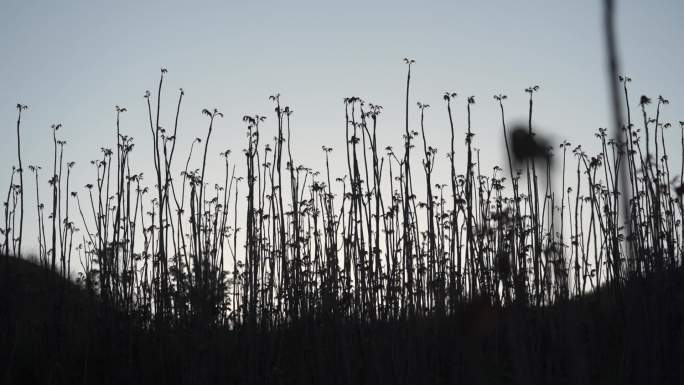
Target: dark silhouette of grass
{"points": [[330, 291], [377, 280]]}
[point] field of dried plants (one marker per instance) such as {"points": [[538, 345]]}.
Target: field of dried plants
{"points": [[490, 276]]}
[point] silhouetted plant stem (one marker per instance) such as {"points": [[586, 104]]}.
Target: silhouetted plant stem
{"points": [[407, 244], [20, 108]]}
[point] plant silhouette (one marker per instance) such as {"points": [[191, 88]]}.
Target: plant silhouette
{"points": [[276, 272]]}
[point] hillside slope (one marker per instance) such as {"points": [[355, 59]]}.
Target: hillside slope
{"points": [[52, 331]]}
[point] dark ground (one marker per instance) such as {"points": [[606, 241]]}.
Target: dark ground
{"points": [[53, 332]]}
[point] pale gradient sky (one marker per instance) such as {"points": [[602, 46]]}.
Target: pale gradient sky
{"points": [[72, 61]]}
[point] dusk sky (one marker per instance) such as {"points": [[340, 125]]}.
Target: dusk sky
{"points": [[71, 62]]}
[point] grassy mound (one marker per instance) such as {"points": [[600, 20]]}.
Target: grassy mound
{"points": [[52, 331]]}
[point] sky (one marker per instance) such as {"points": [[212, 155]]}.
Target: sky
{"points": [[71, 62]]}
